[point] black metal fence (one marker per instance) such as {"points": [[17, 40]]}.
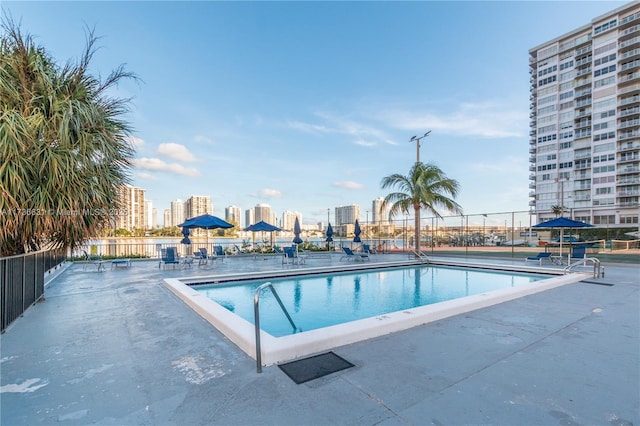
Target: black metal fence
{"points": [[22, 281]]}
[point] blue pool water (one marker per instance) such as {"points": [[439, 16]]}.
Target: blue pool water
{"points": [[317, 301]]}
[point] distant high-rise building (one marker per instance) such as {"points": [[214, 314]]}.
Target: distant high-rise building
{"points": [[154, 218], [167, 218], [347, 214], [585, 121], [131, 203], [197, 205], [148, 206], [177, 213], [379, 214], [264, 212], [289, 220], [249, 217], [233, 213]]}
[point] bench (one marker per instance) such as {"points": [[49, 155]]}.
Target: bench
{"points": [[126, 263]]}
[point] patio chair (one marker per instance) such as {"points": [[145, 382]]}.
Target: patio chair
{"points": [[579, 252], [350, 255], [291, 255], [539, 257], [218, 253], [168, 256], [366, 248], [201, 255], [93, 259]]}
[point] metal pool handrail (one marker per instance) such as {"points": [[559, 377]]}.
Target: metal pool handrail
{"points": [[598, 270], [256, 313]]}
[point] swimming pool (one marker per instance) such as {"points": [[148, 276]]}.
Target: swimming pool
{"points": [[278, 349], [323, 300]]}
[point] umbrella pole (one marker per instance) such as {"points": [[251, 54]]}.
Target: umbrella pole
{"points": [[561, 240]]}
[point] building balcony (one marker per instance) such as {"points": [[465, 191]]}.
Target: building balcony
{"points": [[581, 166], [583, 51], [629, 100], [583, 92], [630, 42], [532, 150], [532, 159], [583, 61], [532, 176], [532, 142], [582, 82], [628, 193], [628, 180], [629, 146], [629, 111], [629, 66], [532, 133], [532, 203], [629, 89], [632, 203], [583, 71], [584, 113], [628, 170], [532, 185], [628, 123], [628, 31], [532, 193], [628, 135], [631, 77], [629, 54], [583, 102], [629, 158], [629, 20], [582, 123], [583, 198], [532, 168]]}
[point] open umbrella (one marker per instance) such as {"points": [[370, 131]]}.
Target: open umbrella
{"points": [[262, 226], [357, 231], [562, 223], [296, 232], [205, 221]]}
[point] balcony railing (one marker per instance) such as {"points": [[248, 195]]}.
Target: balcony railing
{"points": [[629, 42]]}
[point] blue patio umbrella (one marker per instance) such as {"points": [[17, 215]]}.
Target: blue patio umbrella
{"points": [[185, 240], [357, 231], [329, 234], [205, 221], [262, 226], [296, 232], [562, 223]]}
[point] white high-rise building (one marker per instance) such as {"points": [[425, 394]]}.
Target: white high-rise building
{"points": [[177, 213], [233, 213], [197, 205], [585, 121], [148, 206], [167, 218], [263, 212], [347, 214], [249, 217], [289, 220], [379, 214], [131, 203]]}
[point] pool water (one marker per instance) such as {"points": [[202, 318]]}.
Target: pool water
{"points": [[317, 301]]}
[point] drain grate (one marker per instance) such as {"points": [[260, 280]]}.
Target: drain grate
{"points": [[304, 370]]}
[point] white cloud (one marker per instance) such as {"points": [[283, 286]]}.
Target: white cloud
{"points": [[157, 164], [134, 141], [509, 165], [175, 151], [269, 193], [147, 176], [485, 120], [204, 139], [347, 185]]}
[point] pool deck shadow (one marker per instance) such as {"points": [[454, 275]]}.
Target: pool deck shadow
{"points": [[117, 347]]}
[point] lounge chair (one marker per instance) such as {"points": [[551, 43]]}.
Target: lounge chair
{"points": [[168, 256], [579, 252], [350, 255], [539, 257], [366, 248], [93, 259]]}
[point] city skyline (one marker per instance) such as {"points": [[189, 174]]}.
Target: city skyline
{"points": [[307, 106]]}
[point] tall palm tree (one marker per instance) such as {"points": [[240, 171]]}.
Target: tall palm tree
{"points": [[425, 187], [557, 210], [63, 146]]}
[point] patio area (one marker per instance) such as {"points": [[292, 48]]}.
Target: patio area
{"points": [[117, 347]]}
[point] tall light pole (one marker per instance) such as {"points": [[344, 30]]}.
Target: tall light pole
{"points": [[417, 140]]}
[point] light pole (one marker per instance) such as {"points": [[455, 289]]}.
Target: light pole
{"points": [[417, 140], [367, 225]]}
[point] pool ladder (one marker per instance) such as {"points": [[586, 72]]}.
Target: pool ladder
{"points": [[598, 269], [256, 313]]}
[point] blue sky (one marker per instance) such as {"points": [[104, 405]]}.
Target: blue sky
{"points": [[308, 105]]}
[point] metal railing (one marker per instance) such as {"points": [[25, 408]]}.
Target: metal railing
{"points": [[598, 270], [22, 281], [256, 313]]}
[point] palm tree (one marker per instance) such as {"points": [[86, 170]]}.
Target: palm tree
{"points": [[63, 146], [557, 210], [426, 187]]}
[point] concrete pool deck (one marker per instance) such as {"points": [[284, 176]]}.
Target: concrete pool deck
{"points": [[117, 347]]}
